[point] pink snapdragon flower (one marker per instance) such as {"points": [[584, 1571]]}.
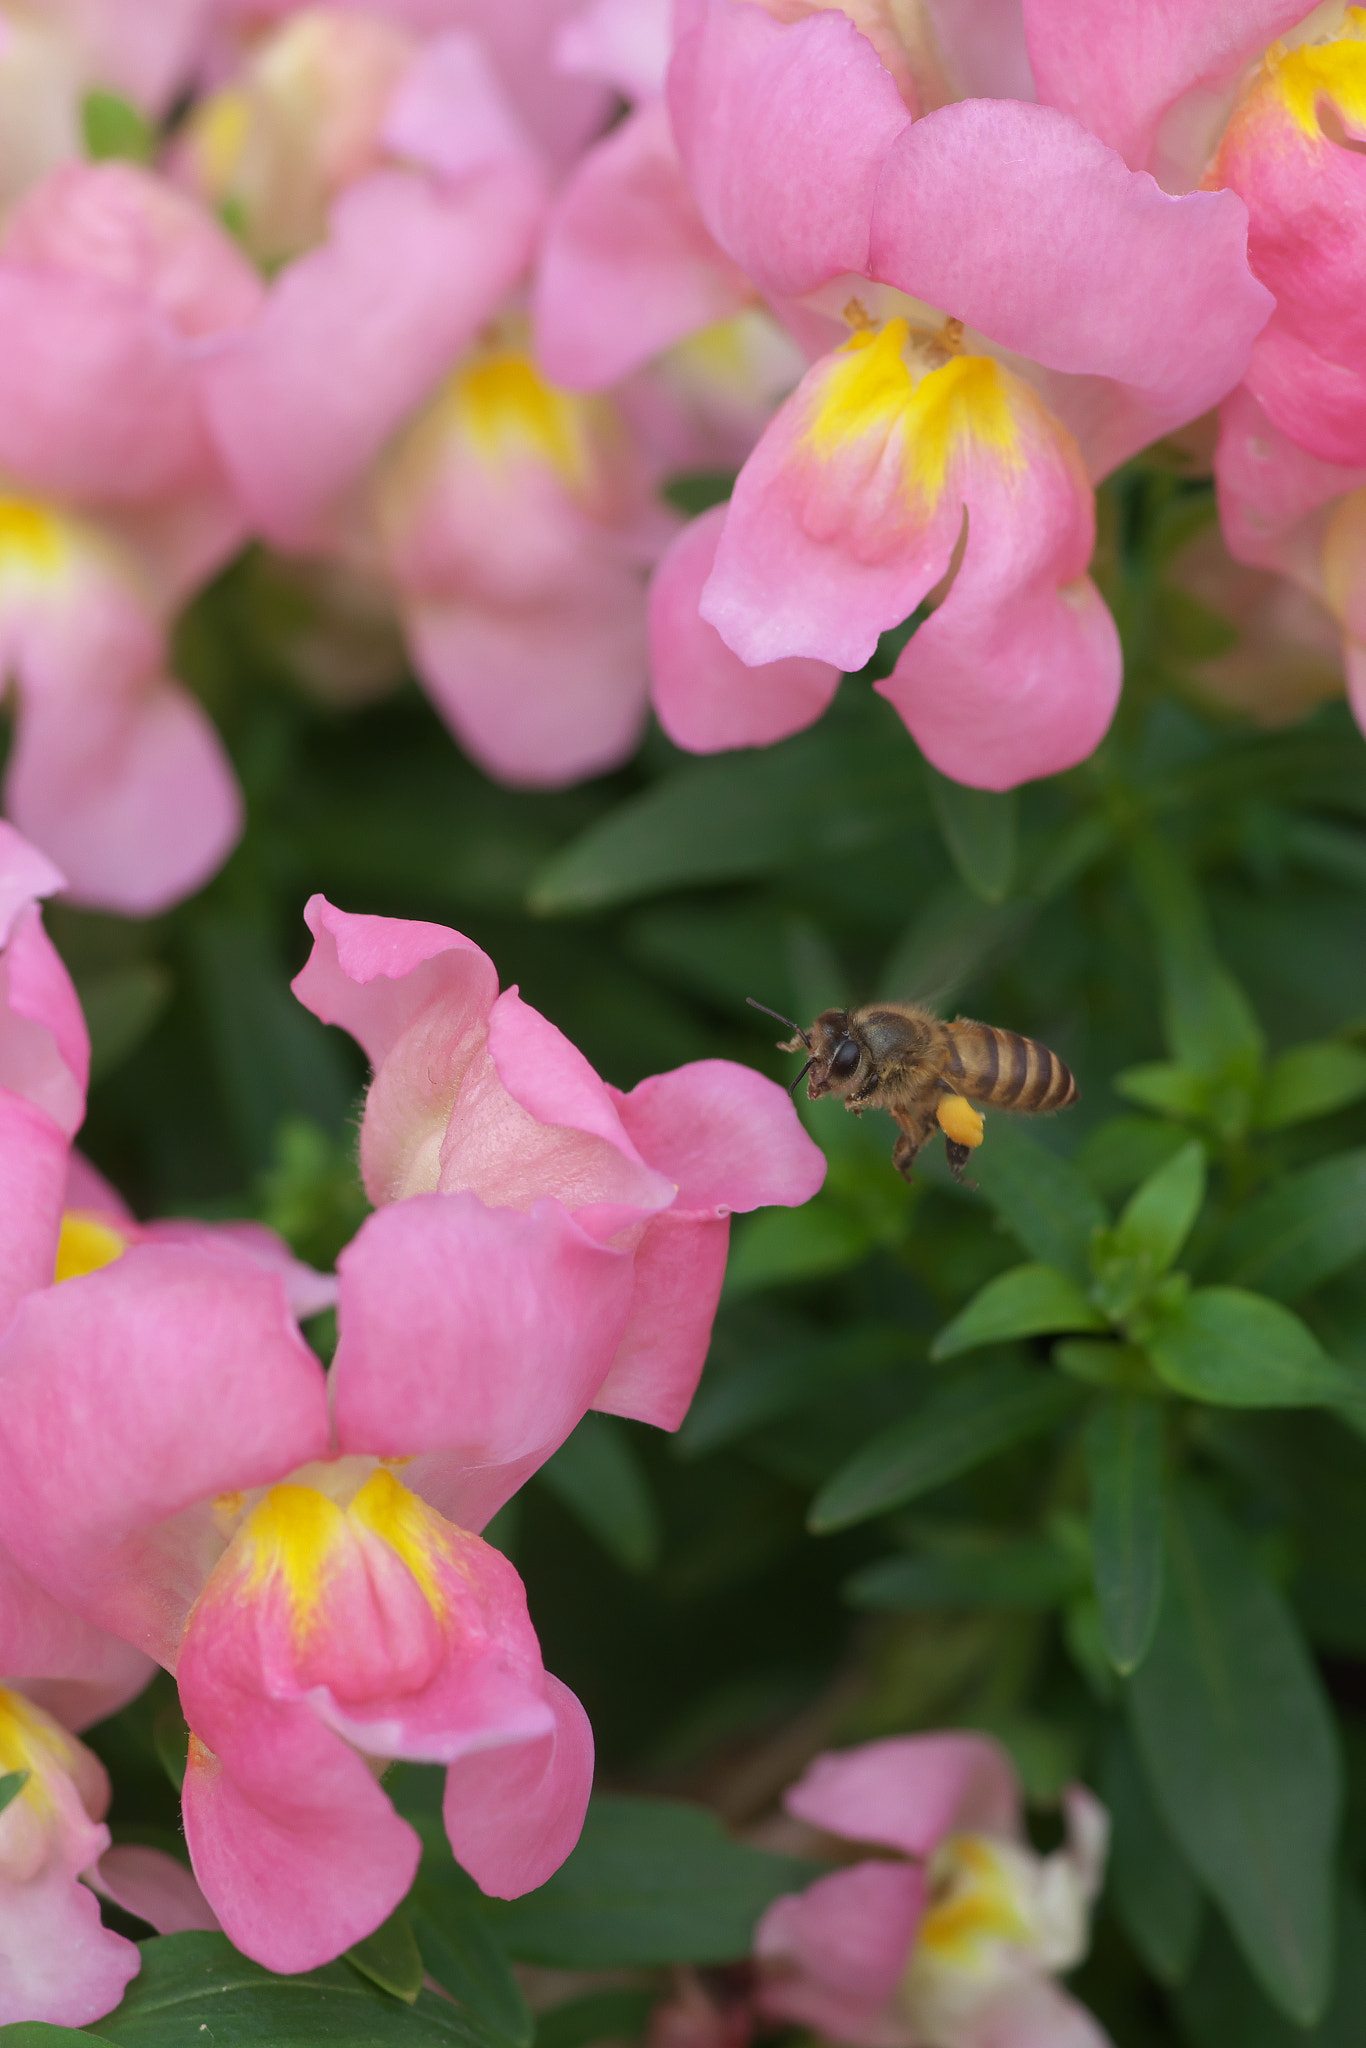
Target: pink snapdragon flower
{"points": [[320, 1607], [957, 1945], [480, 1107], [1026, 313], [113, 506], [58, 1216]]}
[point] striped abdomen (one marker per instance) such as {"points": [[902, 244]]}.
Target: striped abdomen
{"points": [[1013, 1072]]}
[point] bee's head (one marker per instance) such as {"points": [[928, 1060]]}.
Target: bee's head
{"points": [[838, 1052]]}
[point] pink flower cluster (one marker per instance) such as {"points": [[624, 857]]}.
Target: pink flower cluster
{"points": [[181, 1482], [397, 295]]}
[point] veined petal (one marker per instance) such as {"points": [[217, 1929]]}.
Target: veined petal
{"points": [[376, 975], [1305, 190], [705, 697], [57, 1963], [1121, 77], [851, 507], [627, 267]]}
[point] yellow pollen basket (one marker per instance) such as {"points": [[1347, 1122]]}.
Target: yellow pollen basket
{"points": [[960, 1121], [974, 1902], [1314, 72], [300, 1540], [30, 536], [86, 1243], [505, 406], [871, 389]]}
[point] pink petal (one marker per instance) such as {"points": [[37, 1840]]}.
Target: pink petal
{"points": [[59, 1964], [909, 1791], [679, 1265], [134, 792], [75, 1671], [705, 697], [626, 266], [540, 694], [134, 230], [356, 332], [1015, 220], [1274, 496], [563, 113], [513, 1814], [996, 694], [449, 113], [145, 52], [1304, 193], [1121, 81], [156, 1887], [626, 43], [301, 1855], [308, 1291], [783, 132], [474, 1338], [985, 51], [25, 875], [1034, 2013], [34, 1150], [729, 1137], [376, 975], [832, 1957], [116, 1517], [44, 1045], [87, 1188]]}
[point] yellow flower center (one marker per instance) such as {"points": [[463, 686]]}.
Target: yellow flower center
{"points": [[1314, 72], [30, 537], [974, 1903], [298, 1538], [86, 1243]]}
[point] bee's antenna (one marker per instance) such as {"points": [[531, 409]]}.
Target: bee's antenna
{"points": [[804, 1036], [803, 1074]]}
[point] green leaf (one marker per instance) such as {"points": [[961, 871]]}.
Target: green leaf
{"points": [[741, 814], [11, 1785], [597, 1475], [978, 1413], [1123, 1444], [1222, 2004], [1021, 1303], [735, 1403], [602, 2016], [1149, 1881], [1210, 1026], [113, 128], [1240, 1749], [952, 939], [390, 1957], [651, 1881], [1027, 1574], [1169, 1089], [1121, 1367], [1301, 1231], [1308, 1081], [781, 1245], [1242, 1351], [1041, 1199], [1158, 1217], [38, 2034], [196, 1987], [979, 831], [461, 1953], [121, 1005]]}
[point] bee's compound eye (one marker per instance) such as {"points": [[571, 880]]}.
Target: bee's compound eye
{"points": [[844, 1059]]}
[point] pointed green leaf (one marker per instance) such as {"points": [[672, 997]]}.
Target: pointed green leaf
{"points": [[113, 127], [38, 2034], [1242, 1351], [1308, 1081], [11, 1785], [196, 1987], [651, 1881], [1239, 1746], [1211, 1028], [1158, 1217], [1149, 1881], [979, 831], [1026, 1574], [390, 1957], [460, 1951], [978, 1413], [1042, 1200], [1124, 1463], [1304, 1229], [598, 1476], [1021, 1303], [1222, 2003], [1164, 1086]]}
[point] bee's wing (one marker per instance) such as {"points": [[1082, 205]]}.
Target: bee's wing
{"points": [[951, 939]]}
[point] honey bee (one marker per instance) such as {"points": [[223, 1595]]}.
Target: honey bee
{"points": [[925, 1072]]}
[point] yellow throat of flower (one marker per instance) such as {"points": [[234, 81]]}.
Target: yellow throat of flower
{"points": [[974, 1903], [1303, 78], [86, 1243], [297, 1539]]}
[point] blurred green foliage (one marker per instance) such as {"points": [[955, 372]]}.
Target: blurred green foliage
{"points": [[1076, 1456]]}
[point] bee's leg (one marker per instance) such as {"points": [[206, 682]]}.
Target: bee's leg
{"points": [[903, 1154], [958, 1157], [865, 1093]]}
